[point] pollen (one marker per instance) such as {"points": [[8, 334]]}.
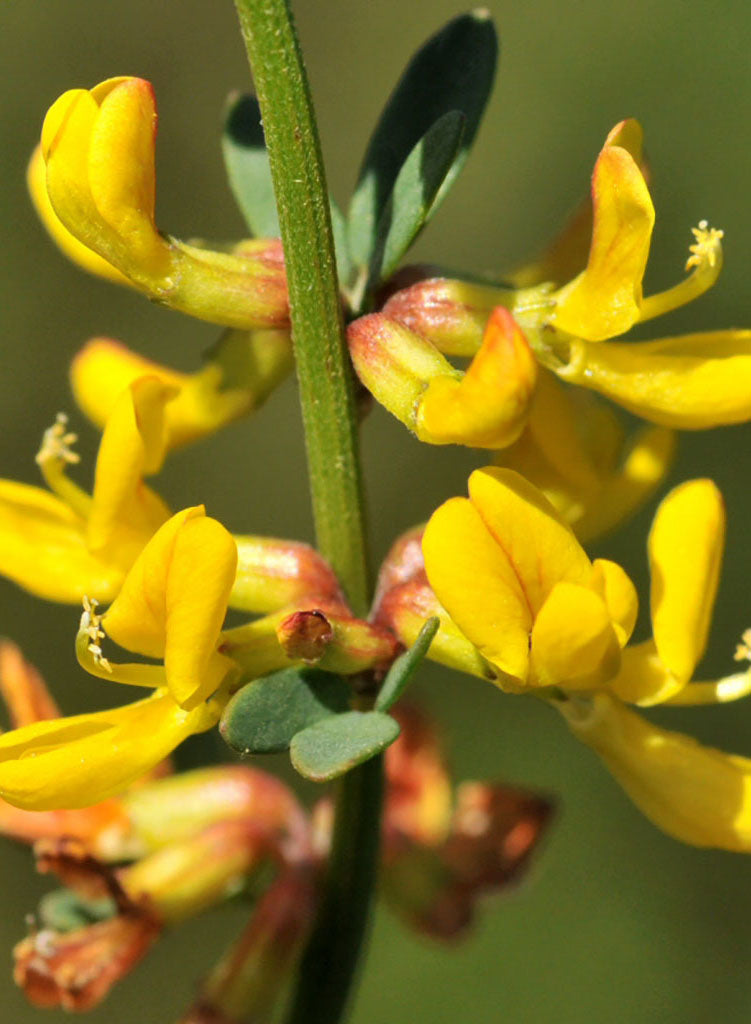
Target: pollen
{"points": [[743, 649], [706, 247], [91, 625], [57, 442]]}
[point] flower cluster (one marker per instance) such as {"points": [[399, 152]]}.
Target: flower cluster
{"points": [[497, 584]]}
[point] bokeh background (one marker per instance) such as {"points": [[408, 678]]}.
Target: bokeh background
{"points": [[617, 922]]}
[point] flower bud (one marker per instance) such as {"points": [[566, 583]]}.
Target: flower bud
{"points": [[274, 574], [485, 407]]}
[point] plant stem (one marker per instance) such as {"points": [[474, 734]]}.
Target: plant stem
{"points": [[325, 381], [328, 965]]}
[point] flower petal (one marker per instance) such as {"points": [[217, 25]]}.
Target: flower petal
{"points": [[125, 513], [487, 408], [690, 382], [239, 373], [474, 580], [538, 546], [631, 485], [574, 644], [685, 552], [697, 794], [121, 168], [604, 300], [43, 548], [66, 135], [69, 245], [619, 594], [78, 761], [644, 679], [137, 619], [201, 575], [173, 602], [567, 253]]}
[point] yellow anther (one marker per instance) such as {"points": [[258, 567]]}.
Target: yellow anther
{"points": [[56, 443], [706, 248], [91, 626], [743, 649]]}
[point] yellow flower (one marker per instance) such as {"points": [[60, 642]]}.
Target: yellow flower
{"points": [[518, 586], [97, 201], [516, 582], [239, 373], [574, 450], [68, 543], [171, 607], [689, 382]]}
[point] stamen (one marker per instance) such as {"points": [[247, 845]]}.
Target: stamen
{"points": [[743, 649], [705, 264], [91, 626], [706, 248], [56, 443]]}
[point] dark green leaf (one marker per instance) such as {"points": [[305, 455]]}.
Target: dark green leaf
{"points": [[335, 745], [454, 70], [247, 164], [414, 194], [64, 911], [263, 717], [405, 666]]}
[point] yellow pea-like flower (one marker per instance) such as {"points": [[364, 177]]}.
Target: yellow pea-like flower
{"points": [[96, 196], [171, 606], [520, 589], [64, 543], [689, 383], [519, 586]]}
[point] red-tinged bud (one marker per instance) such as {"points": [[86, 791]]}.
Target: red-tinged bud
{"points": [[395, 364], [174, 809], [75, 970], [305, 636], [403, 563], [185, 878], [355, 646], [450, 314], [403, 609], [274, 574], [24, 691]]}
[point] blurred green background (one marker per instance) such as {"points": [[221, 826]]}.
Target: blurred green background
{"points": [[617, 923]]}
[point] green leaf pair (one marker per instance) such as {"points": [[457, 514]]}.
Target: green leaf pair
{"points": [[414, 155], [307, 712]]}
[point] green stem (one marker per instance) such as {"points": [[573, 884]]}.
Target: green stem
{"points": [[326, 393], [329, 963]]}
